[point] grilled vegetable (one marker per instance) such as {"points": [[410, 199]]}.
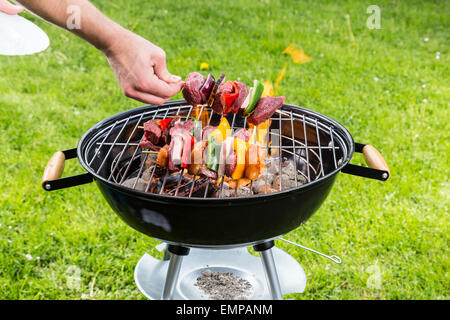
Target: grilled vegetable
{"points": [[197, 157], [229, 98], [222, 131], [197, 131], [213, 154], [163, 156], [253, 97], [253, 167], [164, 123], [213, 92], [240, 148], [207, 88]]}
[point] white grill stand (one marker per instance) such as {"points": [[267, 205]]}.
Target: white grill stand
{"points": [[175, 278]]}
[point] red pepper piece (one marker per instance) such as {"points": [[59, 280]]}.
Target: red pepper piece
{"points": [[229, 98], [183, 163], [164, 123]]}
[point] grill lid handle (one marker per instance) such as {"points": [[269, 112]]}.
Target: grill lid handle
{"points": [[51, 179], [374, 159], [54, 168], [377, 166]]}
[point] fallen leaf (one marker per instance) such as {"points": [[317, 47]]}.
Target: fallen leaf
{"points": [[297, 54]]}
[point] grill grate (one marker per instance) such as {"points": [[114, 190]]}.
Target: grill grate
{"points": [[313, 146]]}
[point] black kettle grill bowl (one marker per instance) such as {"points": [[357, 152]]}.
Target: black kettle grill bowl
{"points": [[206, 222]]}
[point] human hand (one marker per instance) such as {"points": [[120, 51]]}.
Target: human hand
{"points": [[140, 68], [9, 8]]}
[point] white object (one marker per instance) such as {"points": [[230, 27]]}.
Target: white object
{"points": [[150, 273], [18, 36]]}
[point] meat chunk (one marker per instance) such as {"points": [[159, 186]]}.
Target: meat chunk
{"points": [[175, 152], [208, 173], [192, 86], [146, 144], [152, 135], [225, 152], [219, 105], [231, 163], [243, 134], [152, 131], [265, 109], [188, 125], [207, 130]]}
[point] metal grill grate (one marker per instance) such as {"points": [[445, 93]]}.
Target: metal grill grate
{"points": [[312, 144]]}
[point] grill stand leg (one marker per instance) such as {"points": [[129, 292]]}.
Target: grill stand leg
{"points": [[176, 258], [270, 270]]}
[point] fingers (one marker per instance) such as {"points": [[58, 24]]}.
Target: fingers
{"points": [[144, 97], [9, 8], [157, 87], [160, 68]]}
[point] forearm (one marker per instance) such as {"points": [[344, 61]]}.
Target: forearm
{"points": [[93, 26]]}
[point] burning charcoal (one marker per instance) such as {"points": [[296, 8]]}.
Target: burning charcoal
{"points": [[149, 159], [147, 172], [146, 175], [141, 185], [224, 191], [259, 186], [286, 182], [242, 192], [155, 186], [203, 185], [289, 169], [301, 180], [173, 181]]}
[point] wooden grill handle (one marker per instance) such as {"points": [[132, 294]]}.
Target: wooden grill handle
{"points": [[54, 168], [374, 159]]}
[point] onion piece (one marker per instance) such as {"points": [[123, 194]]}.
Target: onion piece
{"points": [[207, 88], [213, 92], [246, 101]]}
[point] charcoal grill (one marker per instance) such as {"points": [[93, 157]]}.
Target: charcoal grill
{"points": [[318, 146]]}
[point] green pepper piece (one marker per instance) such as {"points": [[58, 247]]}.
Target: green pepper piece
{"points": [[210, 152], [217, 149], [213, 154], [197, 126], [256, 91]]}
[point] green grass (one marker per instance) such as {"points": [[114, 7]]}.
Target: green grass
{"points": [[399, 227]]}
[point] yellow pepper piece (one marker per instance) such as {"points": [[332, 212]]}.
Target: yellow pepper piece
{"points": [[222, 131], [263, 130], [240, 147]]}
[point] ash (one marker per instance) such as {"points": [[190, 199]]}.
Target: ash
{"points": [[223, 285]]}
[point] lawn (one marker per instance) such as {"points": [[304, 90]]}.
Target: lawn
{"points": [[390, 87]]}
